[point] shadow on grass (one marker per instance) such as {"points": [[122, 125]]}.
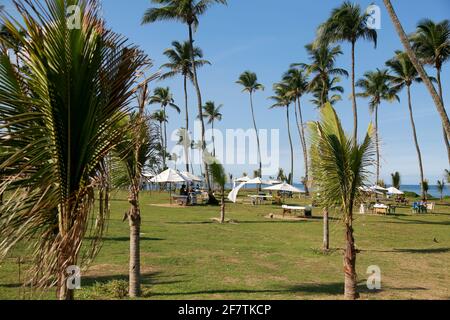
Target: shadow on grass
{"points": [[419, 251], [149, 278]]}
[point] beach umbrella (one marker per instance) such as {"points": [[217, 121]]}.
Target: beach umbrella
{"points": [[395, 191], [378, 188], [273, 182], [243, 179], [284, 187], [257, 181]]}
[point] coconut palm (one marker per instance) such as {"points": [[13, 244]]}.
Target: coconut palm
{"points": [[348, 23], [283, 99], [298, 83], [161, 118], [419, 66], [199, 146], [404, 74], [220, 178], [61, 121], [432, 44], [441, 188], [212, 114], [187, 12], [376, 86], [280, 175], [339, 167], [323, 90], [324, 71], [164, 97], [396, 180], [249, 81], [425, 187], [180, 63]]}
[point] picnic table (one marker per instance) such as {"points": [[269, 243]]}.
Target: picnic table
{"points": [[180, 200], [259, 199], [306, 210]]}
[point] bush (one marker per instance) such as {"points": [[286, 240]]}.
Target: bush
{"points": [[115, 289]]}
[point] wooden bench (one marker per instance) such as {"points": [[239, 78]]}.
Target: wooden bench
{"points": [[180, 200]]}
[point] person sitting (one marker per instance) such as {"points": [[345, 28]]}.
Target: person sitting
{"points": [[184, 191]]}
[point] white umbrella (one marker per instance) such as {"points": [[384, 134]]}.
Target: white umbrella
{"points": [[378, 188], [275, 182], [257, 181], [189, 176], [284, 187], [147, 174], [243, 179], [395, 191], [370, 190]]}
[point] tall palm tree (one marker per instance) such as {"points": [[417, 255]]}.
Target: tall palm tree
{"points": [[348, 23], [212, 114], [164, 97], [220, 178], [404, 75], [419, 66], [160, 117], [180, 63], [339, 168], [199, 146], [324, 71], [321, 93], [396, 180], [432, 44], [441, 187], [249, 81], [298, 83], [376, 86], [283, 99], [62, 122], [187, 12]]}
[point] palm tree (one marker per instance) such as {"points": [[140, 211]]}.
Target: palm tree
{"points": [[376, 85], [133, 153], [348, 23], [323, 90], [180, 63], [425, 186], [396, 180], [339, 167], [298, 83], [62, 122], [283, 99], [199, 146], [432, 44], [249, 81], [164, 97], [187, 12], [281, 176], [441, 188], [161, 117], [220, 178], [325, 74], [212, 114], [404, 75], [419, 67]]}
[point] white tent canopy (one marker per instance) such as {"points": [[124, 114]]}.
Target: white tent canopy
{"points": [[284, 187], [378, 188], [395, 191], [169, 176], [190, 177], [257, 181], [147, 174], [242, 179]]}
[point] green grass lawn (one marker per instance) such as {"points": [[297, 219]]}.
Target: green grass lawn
{"points": [[187, 256]]}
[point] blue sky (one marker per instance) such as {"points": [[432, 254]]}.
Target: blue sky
{"points": [[266, 37]]}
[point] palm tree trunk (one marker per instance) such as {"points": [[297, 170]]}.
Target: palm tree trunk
{"points": [[257, 138], [161, 129], [222, 207], [326, 230], [305, 149], [134, 219], [420, 69], [377, 143], [355, 109], [350, 279], [214, 143], [186, 145], [200, 105], [165, 139], [416, 142], [291, 145], [441, 95]]}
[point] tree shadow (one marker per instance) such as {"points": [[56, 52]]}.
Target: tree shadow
{"points": [[408, 250], [147, 278]]}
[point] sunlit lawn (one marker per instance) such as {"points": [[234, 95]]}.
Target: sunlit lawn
{"points": [[187, 256]]}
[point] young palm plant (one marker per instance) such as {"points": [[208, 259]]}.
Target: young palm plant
{"points": [[249, 81], [396, 180], [164, 97], [283, 99], [376, 86], [419, 66], [441, 187], [404, 74], [212, 114], [187, 12], [348, 23], [339, 168], [220, 178], [298, 83], [432, 44], [180, 63], [62, 115]]}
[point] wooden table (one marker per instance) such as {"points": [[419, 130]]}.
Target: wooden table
{"points": [[259, 199]]}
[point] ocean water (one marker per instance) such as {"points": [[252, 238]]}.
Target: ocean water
{"points": [[433, 190]]}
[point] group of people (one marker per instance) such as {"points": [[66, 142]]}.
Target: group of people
{"points": [[190, 192]]}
